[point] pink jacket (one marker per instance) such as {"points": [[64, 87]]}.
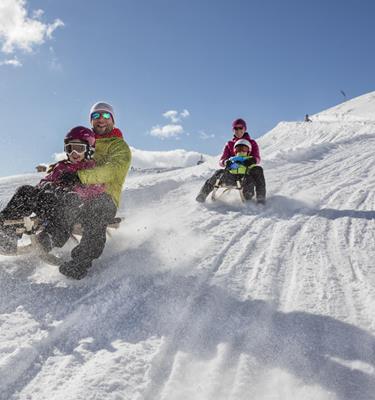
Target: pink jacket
{"points": [[229, 149], [84, 191]]}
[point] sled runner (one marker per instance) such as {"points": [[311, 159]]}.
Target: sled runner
{"points": [[33, 226]]}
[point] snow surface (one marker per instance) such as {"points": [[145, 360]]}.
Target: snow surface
{"points": [[358, 109], [214, 301]]}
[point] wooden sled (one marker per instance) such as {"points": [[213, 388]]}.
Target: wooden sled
{"points": [[32, 227], [217, 192]]}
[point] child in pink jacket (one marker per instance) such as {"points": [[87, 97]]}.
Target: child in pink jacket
{"points": [[59, 197]]}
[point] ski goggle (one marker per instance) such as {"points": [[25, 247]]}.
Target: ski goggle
{"points": [[96, 115], [79, 148], [238, 128]]}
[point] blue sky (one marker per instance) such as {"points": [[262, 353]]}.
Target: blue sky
{"points": [[209, 61]]}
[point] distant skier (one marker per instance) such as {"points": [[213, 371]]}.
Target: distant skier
{"points": [[240, 160], [200, 161], [307, 118]]}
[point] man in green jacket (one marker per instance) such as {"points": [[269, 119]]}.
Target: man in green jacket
{"points": [[112, 157]]}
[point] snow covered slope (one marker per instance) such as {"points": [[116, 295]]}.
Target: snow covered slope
{"points": [[358, 109], [214, 301]]}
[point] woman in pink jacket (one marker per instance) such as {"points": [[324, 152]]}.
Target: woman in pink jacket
{"points": [[254, 181]]}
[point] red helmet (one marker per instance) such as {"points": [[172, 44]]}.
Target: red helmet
{"points": [[239, 121], [81, 133], [84, 134]]}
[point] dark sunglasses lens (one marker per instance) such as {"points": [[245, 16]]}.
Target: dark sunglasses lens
{"points": [[238, 128], [95, 115]]}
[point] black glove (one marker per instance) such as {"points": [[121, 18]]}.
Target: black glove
{"points": [[249, 161], [69, 178], [228, 163], [47, 187]]}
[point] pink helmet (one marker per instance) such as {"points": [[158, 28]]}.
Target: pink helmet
{"points": [[239, 121], [81, 133], [84, 134]]}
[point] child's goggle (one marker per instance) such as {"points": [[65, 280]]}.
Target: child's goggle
{"points": [[79, 148], [96, 115]]}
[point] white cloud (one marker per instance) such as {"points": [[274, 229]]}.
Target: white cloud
{"points": [[185, 113], [164, 159], [18, 31], [54, 62], [176, 116], [37, 14], [172, 115], [52, 27], [173, 129], [203, 135], [59, 157], [167, 131], [13, 62]]}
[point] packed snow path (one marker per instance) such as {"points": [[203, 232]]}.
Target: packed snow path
{"points": [[214, 301]]}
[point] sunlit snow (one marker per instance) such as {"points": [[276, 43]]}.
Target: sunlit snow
{"points": [[214, 301]]}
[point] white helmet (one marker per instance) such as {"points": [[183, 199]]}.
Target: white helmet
{"points": [[244, 142]]}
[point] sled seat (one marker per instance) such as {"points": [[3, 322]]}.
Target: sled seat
{"points": [[227, 188]]}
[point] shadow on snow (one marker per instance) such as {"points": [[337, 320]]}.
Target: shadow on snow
{"points": [[285, 208], [193, 317]]}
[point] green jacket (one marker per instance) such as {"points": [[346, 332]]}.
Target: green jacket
{"points": [[113, 157], [242, 169]]}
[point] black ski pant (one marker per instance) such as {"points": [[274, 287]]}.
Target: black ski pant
{"points": [[252, 182], [94, 217], [58, 209]]}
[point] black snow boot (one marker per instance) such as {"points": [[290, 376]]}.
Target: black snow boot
{"points": [[261, 200], [75, 270], [207, 188], [201, 198], [44, 239], [8, 240], [260, 184]]}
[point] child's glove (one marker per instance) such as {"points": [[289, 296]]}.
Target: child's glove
{"points": [[234, 165], [69, 178], [247, 162], [227, 163], [230, 164], [238, 159]]}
